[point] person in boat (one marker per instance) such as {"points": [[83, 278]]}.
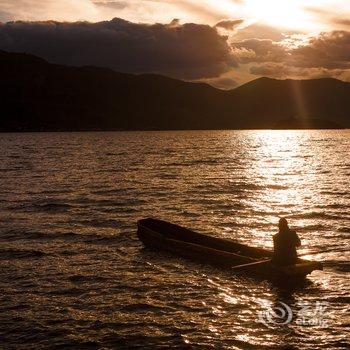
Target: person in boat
{"points": [[285, 244]]}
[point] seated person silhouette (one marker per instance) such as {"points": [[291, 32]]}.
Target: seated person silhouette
{"points": [[285, 243]]}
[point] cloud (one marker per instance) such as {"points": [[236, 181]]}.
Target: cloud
{"points": [[258, 31], [279, 71], [187, 51], [268, 70], [224, 83], [285, 71], [145, 11], [329, 16], [342, 21], [301, 57], [5, 16], [259, 50], [63, 10], [229, 24], [174, 23], [328, 50], [112, 4]]}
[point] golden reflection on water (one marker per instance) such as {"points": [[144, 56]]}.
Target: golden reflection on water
{"points": [[279, 160], [282, 170], [95, 280]]}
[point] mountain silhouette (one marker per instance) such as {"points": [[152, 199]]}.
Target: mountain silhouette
{"points": [[39, 96]]}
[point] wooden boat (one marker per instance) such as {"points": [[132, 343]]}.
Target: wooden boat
{"points": [[186, 243]]}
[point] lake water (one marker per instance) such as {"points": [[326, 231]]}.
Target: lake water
{"points": [[74, 275]]}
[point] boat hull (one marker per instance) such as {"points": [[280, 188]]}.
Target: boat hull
{"points": [[164, 236]]}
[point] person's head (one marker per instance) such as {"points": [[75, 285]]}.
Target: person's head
{"points": [[283, 224]]}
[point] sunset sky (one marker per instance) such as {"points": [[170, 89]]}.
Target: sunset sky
{"points": [[222, 42]]}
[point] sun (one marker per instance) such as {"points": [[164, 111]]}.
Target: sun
{"points": [[289, 14]]}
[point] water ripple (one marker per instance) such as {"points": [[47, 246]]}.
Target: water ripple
{"points": [[75, 276]]}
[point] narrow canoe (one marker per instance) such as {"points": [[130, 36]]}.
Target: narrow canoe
{"points": [[162, 235]]}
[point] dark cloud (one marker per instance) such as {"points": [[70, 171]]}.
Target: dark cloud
{"points": [[259, 50], [229, 24], [326, 55], [329, 50], [188, 51], [184, 51]]}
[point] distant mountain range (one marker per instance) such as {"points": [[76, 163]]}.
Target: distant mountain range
{"points": [[38, 96]]}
